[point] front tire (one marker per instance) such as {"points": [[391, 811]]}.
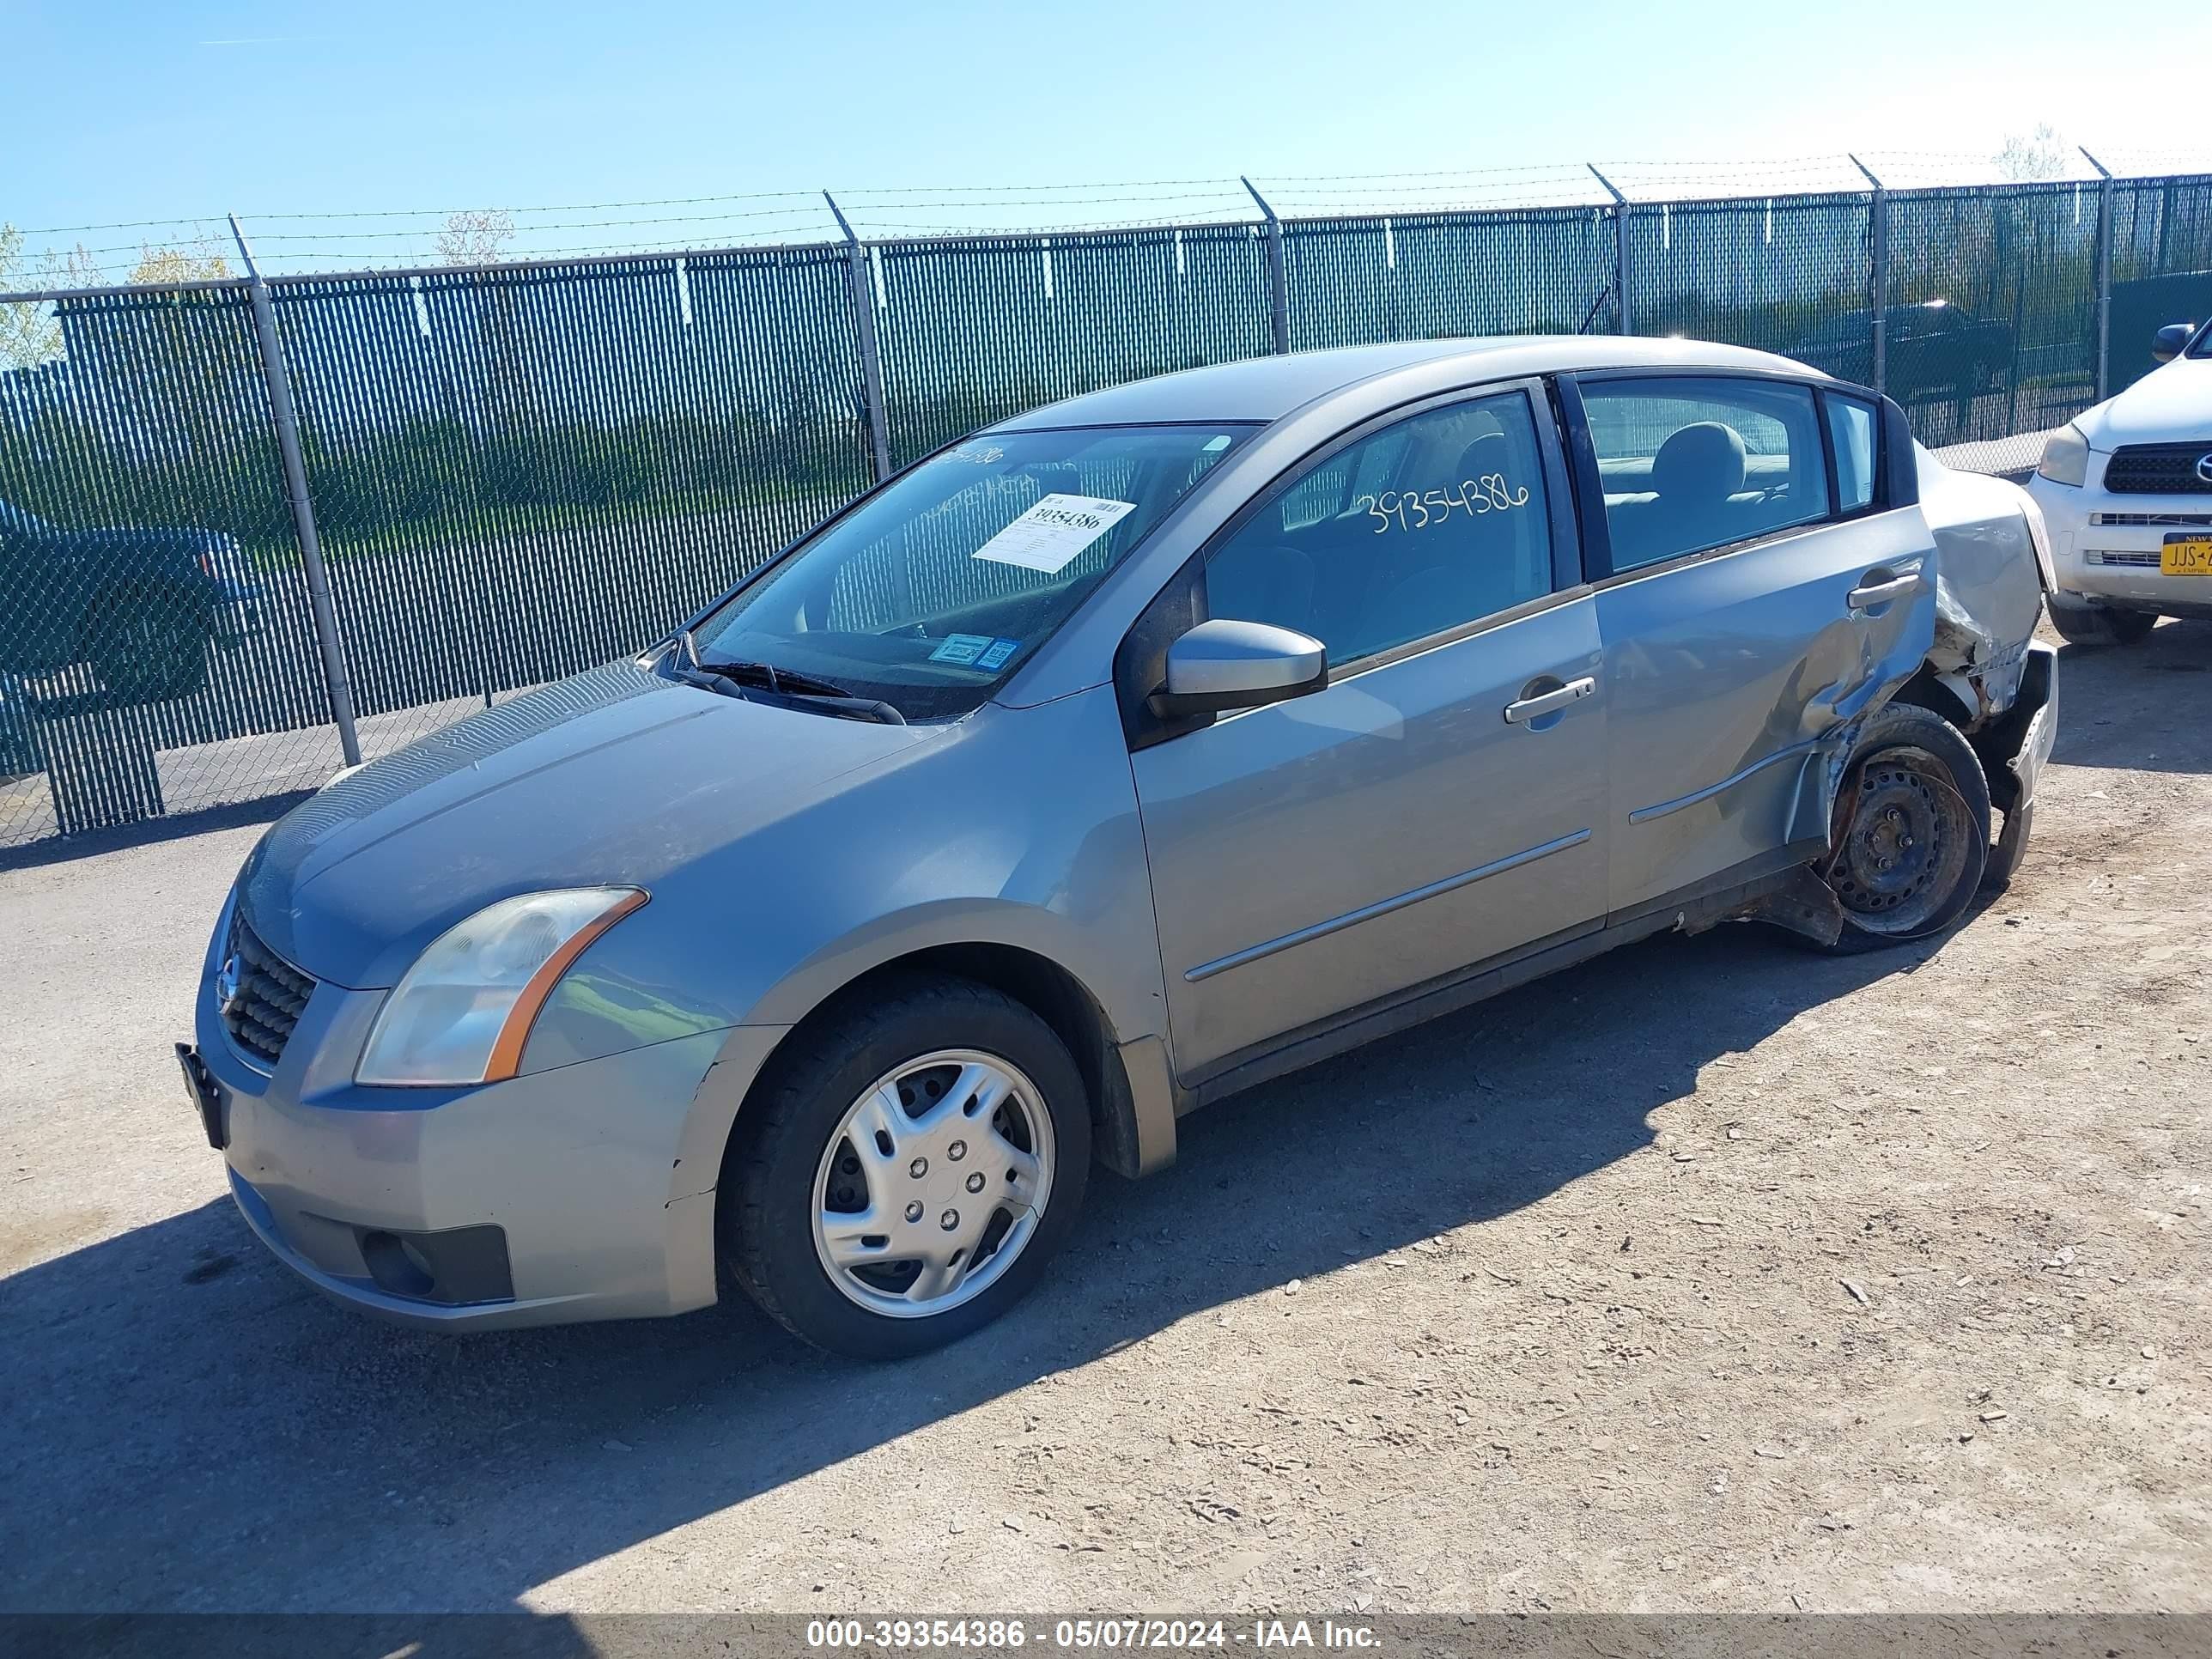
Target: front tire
{"points": [[1911, 841], [906, 1173], [2100, 625]]}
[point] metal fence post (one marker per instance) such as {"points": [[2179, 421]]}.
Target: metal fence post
{"points": [[1619, 251], [328, 646], [1278, 292], [863, 337], [1878, 276], [2104, 276]]}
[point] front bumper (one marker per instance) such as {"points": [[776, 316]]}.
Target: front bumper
{"points": [[2105, 548], [580, 1193], [2021, 739]]}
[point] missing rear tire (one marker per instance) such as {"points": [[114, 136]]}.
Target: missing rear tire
{"points": [[1911, 841]]}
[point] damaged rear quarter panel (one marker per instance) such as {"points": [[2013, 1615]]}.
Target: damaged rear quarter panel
{"points": [[1989, 584]]}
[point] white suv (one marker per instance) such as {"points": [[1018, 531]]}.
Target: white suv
{"points": [[2126, 491]]}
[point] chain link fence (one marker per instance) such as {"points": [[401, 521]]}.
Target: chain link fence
{"points": [[516, 471]]}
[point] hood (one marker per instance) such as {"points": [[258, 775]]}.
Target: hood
{"points": [[613, 777], [2173, 404]]}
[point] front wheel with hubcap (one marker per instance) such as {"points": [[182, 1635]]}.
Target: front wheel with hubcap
{"points": [[907, 1170], [1911, 831]]}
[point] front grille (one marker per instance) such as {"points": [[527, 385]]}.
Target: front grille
{"points": [[2154, 520], [262, 1010], [2158, 470], [2139, 560]]}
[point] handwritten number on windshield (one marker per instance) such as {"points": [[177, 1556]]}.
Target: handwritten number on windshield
{"points": [[1413, 509]]}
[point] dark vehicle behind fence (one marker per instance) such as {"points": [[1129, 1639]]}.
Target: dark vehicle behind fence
{"points": [[139, 605], [1935, 350]]}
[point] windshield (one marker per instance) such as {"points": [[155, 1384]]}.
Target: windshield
{"points": [[928, 594]]}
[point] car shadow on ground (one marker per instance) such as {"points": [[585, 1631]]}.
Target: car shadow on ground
{"points": [[193, 1428], [64, 849], [2118, 705]]}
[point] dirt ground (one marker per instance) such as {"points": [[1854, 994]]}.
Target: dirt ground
{"points": [[1711, 1275]]}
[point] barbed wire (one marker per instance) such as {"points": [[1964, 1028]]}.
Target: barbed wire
{"points": [[654, 246], [573, 207], [1228, 182], [781, 214], [126, 224], [914, 210]]}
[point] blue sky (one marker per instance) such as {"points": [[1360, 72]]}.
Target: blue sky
{"points": [[129, 110]]}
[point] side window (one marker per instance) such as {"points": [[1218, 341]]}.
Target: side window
{"points": [[1692, 463], [1327, 490], [1435, 522], [1851, 433]]}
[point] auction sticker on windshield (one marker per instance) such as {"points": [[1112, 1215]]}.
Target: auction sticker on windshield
{"points": [[1049, 535]]}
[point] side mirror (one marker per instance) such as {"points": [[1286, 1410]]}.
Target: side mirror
{"points": [[1222, 665], [2165, 345]]}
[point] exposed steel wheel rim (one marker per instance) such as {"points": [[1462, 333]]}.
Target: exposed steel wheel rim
{"points": [[932, 1183], [1903, 852]]}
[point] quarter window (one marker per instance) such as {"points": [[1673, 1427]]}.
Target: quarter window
{"points": [[1851, 432], [1417, 529], [1690, 464]]}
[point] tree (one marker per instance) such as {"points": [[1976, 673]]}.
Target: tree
{"points": [[477, 237], [202, 262], [2041, 155], [28, 336]]}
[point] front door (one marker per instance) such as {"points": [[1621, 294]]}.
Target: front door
{"points": [[1761, 594], [1442, 803]]}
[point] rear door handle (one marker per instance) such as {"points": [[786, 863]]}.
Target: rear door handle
{"points": [[1870, 594], [1550, 702]]}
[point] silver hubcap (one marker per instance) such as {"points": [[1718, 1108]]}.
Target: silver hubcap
{"points": [[932, 1184]]}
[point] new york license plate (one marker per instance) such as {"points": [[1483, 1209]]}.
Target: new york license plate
{"points": [[2185, 556]]}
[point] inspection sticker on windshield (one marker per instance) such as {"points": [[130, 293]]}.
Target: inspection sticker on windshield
{"points": [[962, 648], [1049, 535]]}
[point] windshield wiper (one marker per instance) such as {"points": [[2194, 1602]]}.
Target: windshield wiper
{"points": [[774, 678], [794, 687]]}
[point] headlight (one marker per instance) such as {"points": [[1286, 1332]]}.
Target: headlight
{"points": [[2065, 458], [461, 1013]]}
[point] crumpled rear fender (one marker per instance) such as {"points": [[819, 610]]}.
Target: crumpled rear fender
{"points": [[1994, 569]]}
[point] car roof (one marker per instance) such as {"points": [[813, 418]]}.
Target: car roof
{"points": [[1378, 376]]}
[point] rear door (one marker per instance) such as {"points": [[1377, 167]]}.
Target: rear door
{"points": [[1441, 802], [1760, 585]]}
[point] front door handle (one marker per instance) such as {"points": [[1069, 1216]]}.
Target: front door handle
{"points": [[1549, 702], [1868, 595]]}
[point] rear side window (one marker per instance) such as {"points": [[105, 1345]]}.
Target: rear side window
{"points": [[1691, 462], [1850, 434], [1421, 527]]}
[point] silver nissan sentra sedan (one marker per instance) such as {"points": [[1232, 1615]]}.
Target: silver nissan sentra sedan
{"points": [[1117, 757]]}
